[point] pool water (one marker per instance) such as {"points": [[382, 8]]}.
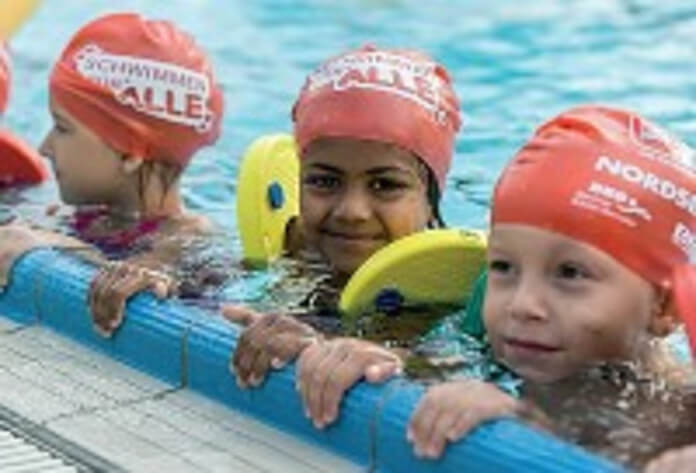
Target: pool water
{"points": [[514, 64]]}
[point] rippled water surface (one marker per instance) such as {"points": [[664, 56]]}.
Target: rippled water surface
{"points": [[514, 64]]}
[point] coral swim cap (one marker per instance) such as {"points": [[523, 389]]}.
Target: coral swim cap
{"points": [[142, 86], [614, 180], [19, 163], [5, 77], [395, 96]]}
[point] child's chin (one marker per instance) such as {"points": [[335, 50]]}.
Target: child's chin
{"points": [[537, 375]]}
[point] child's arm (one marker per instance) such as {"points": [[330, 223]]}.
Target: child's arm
{"points": [[326, 368], [16, 239], [118, 281], [449, 411], [679, 460]]}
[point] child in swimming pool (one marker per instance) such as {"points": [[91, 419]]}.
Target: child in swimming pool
{"points": [[375, 130], [132, 100], [584, 270]]}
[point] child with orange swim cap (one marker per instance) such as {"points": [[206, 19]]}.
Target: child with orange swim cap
{"points": [[132, 100], [375, 130], [19, 163], [590, 260]]}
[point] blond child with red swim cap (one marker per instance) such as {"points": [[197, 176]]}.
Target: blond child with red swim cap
{"points": [[590, 260], [375, 130], [132, 100]]}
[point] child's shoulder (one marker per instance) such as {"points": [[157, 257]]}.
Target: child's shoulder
{"points": [[188, 224]]}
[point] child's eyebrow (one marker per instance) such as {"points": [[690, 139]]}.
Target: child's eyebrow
{"points": [[387, 169], [326, 167]]}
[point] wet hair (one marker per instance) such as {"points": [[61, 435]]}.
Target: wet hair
{"points": [[166, 173], [433, 195]]}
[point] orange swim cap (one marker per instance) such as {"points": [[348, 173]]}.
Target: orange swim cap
{"points": [[5, 77], [143, 86], [395, 96], [614, 180], [19, 162]]}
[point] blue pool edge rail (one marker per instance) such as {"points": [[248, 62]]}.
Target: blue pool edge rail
{"points": [[186, 346]]}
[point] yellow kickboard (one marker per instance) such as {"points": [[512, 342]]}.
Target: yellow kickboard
{"points": [[267, 197], [431, 267]]}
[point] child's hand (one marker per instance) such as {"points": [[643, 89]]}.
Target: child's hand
{"points": [[678, 460], [269, 341], [326, 370], [114, 284], [450, 410]]}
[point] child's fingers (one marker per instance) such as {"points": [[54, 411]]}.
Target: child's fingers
{"points": [[331, 359], [342, 371], [103, 308], [285, 347], [380, 372], [129, 281], [240, 314], [421, 423], [306, 369], [255, 350], [259, 368], [439, 435], [248, 348], [469, 419]]}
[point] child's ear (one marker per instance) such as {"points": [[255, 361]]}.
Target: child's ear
{"points": [[664, 319], [130, 163]]}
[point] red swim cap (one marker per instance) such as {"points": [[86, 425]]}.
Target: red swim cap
{"points": [[5, 77], [19, 163], [616, 181], [142, 86], [395, 96]]}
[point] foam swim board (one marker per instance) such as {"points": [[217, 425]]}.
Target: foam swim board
{"points": [[430, 267], [13, 13], [19, 163], [433, 266], [267, 197]]}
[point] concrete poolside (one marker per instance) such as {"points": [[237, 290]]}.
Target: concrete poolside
{"points": [[134, 421]]}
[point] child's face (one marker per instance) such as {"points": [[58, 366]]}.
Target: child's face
{"points": [[555, 305], [87, 170], [357, 196]]}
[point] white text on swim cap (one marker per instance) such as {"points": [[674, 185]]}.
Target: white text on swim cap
{"points": [[155, 88], [685, 239], [659, 186], [385, 72], [660, 145]]}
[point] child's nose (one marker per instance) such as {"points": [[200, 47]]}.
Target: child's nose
{"points": [[527, 303], [46, 149], [354, 206]]}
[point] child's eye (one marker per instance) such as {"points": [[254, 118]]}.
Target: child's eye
{"points": [[60, 129], [322, 181], [499, 266], [572, 271], [386, 185]]}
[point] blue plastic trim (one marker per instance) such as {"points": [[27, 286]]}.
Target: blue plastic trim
{"points": [[185, 346]]}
